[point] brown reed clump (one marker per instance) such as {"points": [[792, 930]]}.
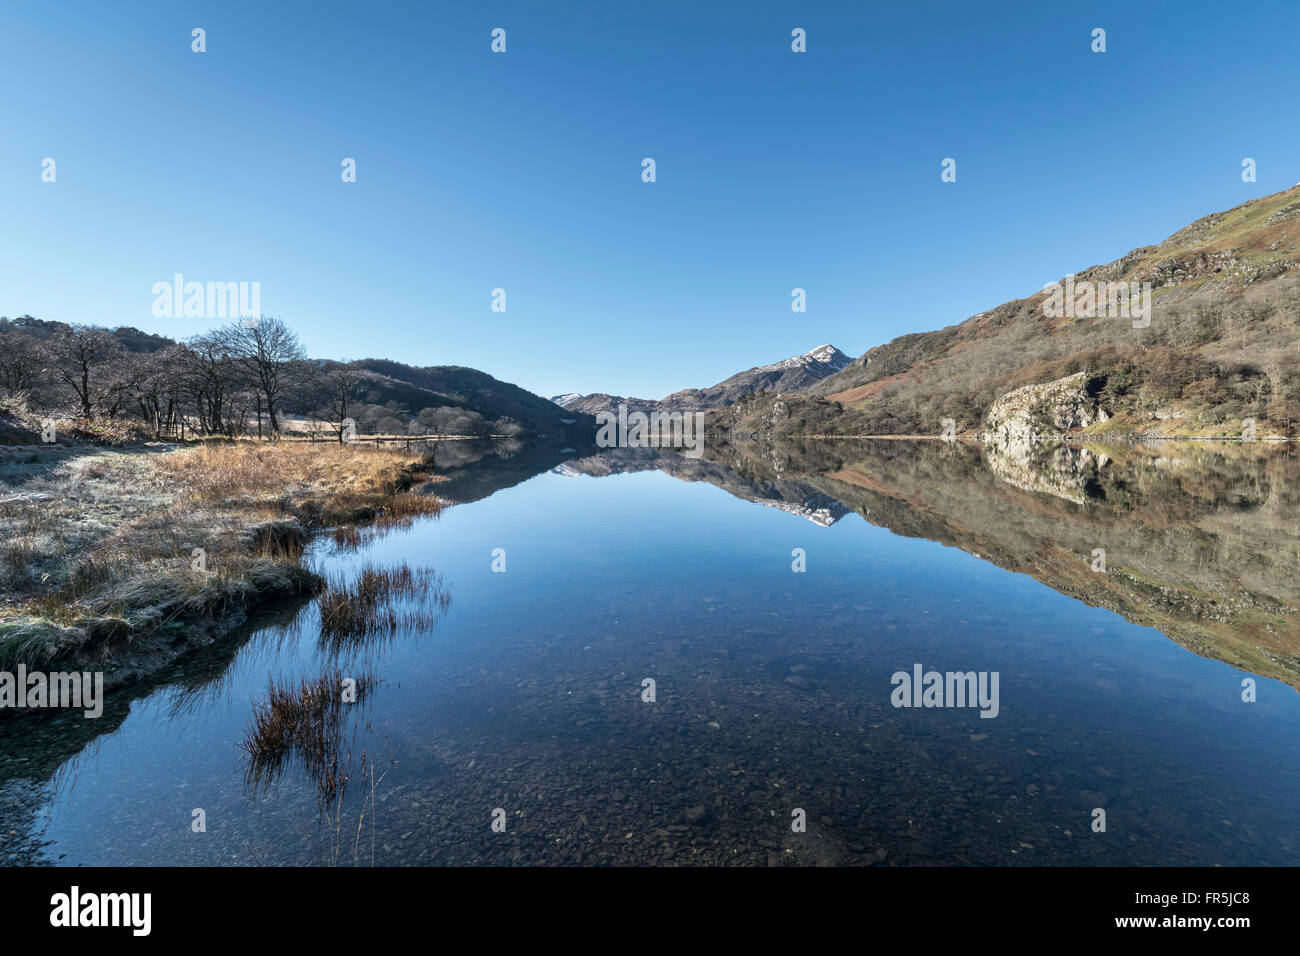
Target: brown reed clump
{"points": [[305, 720], [400, 512], [380, 602]]}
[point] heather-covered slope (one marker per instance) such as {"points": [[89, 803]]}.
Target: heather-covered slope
{"points": [[1219, 345], [454, 386]]}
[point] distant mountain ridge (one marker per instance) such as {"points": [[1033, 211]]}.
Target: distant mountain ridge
{"points": [[788, 375]]}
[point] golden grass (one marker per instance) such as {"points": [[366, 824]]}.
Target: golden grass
{"points": [[114, 535], [323, 483], [401, 511]]}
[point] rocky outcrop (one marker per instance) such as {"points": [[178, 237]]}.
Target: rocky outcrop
{"points": [[1021, 431], [1034, 413]]}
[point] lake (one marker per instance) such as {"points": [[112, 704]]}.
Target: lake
{"points": [[770, 597]]}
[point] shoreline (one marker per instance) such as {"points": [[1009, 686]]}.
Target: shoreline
{"points": [[130, 595]]}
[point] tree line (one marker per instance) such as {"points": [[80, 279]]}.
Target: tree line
{"points": [[237, 380]]}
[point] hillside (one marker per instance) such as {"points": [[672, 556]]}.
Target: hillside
{"points": [[793, 374], [457, 387], [130, 367], [1218, 345], [130, 339]]}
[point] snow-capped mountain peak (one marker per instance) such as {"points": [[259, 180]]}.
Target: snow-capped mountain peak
{"points": [[828, 356]]}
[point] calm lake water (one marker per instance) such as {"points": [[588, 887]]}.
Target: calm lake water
{"points": [[773, 695]]}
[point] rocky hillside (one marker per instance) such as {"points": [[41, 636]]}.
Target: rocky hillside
{"points": [[1032, 412], [1216, 347], [789, 375]]}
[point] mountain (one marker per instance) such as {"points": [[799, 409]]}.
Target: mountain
{"points": [[603, 402], [1217, 346], [126, 337], [452, 386], [789, 375]]}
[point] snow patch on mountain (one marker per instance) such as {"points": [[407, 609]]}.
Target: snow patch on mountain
{"points": [[827, 356]]}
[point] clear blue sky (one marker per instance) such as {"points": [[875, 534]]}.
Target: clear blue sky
{"points": [[523, 171]]}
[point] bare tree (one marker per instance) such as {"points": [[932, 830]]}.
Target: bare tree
{"points": [[22, 363], [344, 382], [80, 353], [211, 375], [158, 386], [266, 351], [123, 380]]}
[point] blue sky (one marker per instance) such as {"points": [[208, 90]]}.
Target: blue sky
{"points": [[522, 170]]}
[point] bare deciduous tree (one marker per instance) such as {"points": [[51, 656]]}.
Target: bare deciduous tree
{"points": [[266, 351], [345, 388], [80, 354], [23, 364], [211, 375]]}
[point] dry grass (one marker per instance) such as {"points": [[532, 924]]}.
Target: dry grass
{"points": [[97, 535], [401, 511], [320, 483]]}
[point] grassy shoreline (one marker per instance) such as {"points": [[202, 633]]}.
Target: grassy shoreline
{"points": [[122, 560]]}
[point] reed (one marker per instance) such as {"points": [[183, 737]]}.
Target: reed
{"points": [[304, 720], [380, 602]]}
